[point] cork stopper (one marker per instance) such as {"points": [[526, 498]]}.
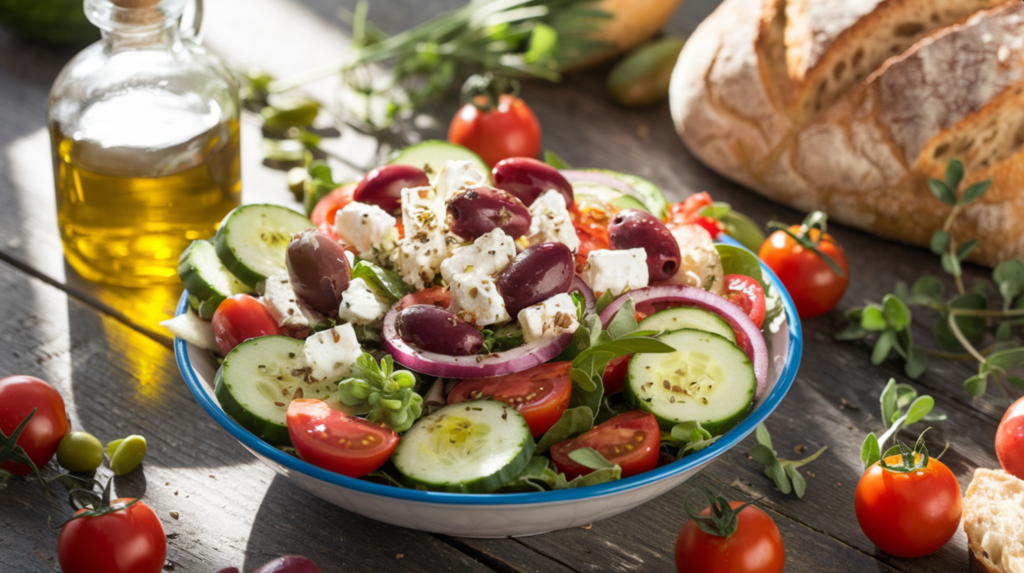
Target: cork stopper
{"points": [[138, 12], [135, 3]]}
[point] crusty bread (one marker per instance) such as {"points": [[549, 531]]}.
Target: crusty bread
{"points": [[851, 105], [994, 522]]}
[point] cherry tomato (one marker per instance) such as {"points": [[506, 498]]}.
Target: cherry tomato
{"points": [[688, 211], [240, 318], [814, 286], [755, 546], [909, 514], [338, 442], [433, 296], [631, 440], [1010, 440], [48, 426], [541, 394], [614, 377], [326, 209], [591, 223], [509, 130], [130, 540], [747, 294]]}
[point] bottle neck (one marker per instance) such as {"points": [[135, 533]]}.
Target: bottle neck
{"points": [[133, 24]]}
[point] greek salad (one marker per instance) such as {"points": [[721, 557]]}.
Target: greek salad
{"points": [[443, 326]]}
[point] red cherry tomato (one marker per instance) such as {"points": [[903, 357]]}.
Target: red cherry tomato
{"points": [[40, 438], [326, 209], [130, 540], [433, 296], [688, 211], [338, 442], [509, 130], [614, 377], [909, 514], [1010, 440], [631, 440], [747, 294], [240, 318], [814, 286], [755, 546], [541, 394], [591, 223]]}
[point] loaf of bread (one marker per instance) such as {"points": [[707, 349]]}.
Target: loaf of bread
{"points": [[852, 105], [994, 522]]}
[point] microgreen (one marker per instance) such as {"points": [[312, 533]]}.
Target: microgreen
{"points": [[390, 394], [783, 472], [688, 437], [555, 160], [901, 406]]}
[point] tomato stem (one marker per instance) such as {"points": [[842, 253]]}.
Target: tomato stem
{"points": [[815, 220], [484, 91], [722, 520], [11, 451]]}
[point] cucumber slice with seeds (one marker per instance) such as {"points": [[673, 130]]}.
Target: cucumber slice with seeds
{"points": [[259, 378], [430, 155], [252, 240], [647, 192], [206, 279], [469, 447], [708, 380], [688, 317]]}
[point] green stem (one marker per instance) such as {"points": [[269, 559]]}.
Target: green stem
{"points": [[953, 355], [986, 313], [946, 226], [806, 460], [955, 328]]}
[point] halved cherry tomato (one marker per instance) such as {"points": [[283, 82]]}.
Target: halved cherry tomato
{"points": [[509, 130], [129, 540], [688, 211], [591, 223], [433, 296], [747, 294], [240, 318], [335, 441], [326, 209], [631, 440], [755, 547], [43, 433], [614, 376], [541, 394], [814, 286]]}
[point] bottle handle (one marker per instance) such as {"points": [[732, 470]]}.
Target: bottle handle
{"points": [[191, 24]]}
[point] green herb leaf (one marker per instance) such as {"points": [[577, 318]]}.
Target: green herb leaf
{"points": [[763, 437], [954, 173], [743, 229], [555, 160], [852, 331], [1015, 380], [543, 44], [965, 249], [974, 192], [777, 473], [951, 264], [799, 484], [917, 362], [919, 409], [942, 191], [389, 393], [883, 346], [574, 421], [590, 458], [870, 452], [384, 282], [716, 210], [1003, 360], [603, 301], [976, 385], [318, 185], [690, 436], [889, 403], [1009, 275], [763, 455], [739, 261], [972, 327], [873, 318], [940, 242], [897, 315], [624, 320], [928, 290]]}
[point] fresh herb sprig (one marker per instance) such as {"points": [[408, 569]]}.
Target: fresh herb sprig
{"points": [[390, 394], [538, 474], [784, 473], [901, 407]]}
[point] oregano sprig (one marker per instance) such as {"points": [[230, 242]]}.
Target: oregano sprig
{"points": [[783, 472]]}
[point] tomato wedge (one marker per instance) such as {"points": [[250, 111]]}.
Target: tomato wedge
{"points": [[747, 294], [239, 318], [541, 394], [433, 296], [614, 376], [335, 441], [326, 209], [632, 440]]}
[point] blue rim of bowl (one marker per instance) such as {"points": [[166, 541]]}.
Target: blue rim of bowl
{"points": [[696, 460]]}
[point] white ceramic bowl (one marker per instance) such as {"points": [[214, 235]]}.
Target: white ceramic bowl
{"points": [[498, 515]]}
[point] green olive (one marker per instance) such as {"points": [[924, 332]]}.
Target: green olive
{"points": [[80, 452], [643, 76], [112, 447], [128, 454]]}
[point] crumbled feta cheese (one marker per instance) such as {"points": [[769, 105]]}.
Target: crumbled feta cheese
{"points": [[360, 305], [350, 258], [456, 176], [550, 318], [616, 271], [489, 254], [331, 353], [192, 329], [550, 221], [700, 265], [475, 299], [284, 305], [422, 209], [420, 253], [368, 229]]}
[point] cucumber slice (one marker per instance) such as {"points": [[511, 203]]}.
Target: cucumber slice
{"points": [[252, 240], [708, 380], [629, 202], [582, 191], [688, 317], [206, 279], [259, 378], [430, 155], [469, 447], [647, 192]]}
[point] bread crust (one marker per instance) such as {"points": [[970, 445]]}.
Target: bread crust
{"points": [[867, 156]]}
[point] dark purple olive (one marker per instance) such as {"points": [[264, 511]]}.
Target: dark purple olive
{"points": [[318, 270], [537, 274], [228, 570], [527, 179], [633, 228], [436, 330], [289, 564], [383, 186], [480, 210]]}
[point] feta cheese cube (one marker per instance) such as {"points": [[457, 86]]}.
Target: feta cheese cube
{"points": [[280, 300], [419, 255], [456, 176], [555, 316], [489, 254], [616, 271], [360, 305], [422, 210], [475, 299], [550, 221], [368, 229], [330, 354]]}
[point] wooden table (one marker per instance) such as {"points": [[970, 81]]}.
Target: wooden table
{"points": [[101, 347]]}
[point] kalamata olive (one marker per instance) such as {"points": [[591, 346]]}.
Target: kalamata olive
{"points": [[526, 178], [318, 270], [383, 186], [537, 274], [436, 330], [480, 210], [632, 228], [289, 564]]}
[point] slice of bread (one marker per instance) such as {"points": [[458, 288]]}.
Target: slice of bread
{"points": [[994, 522]]}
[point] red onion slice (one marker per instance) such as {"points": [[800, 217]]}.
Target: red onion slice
{"points": [[584, 289], [475, 366], [748, 336], [598, 178]]}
